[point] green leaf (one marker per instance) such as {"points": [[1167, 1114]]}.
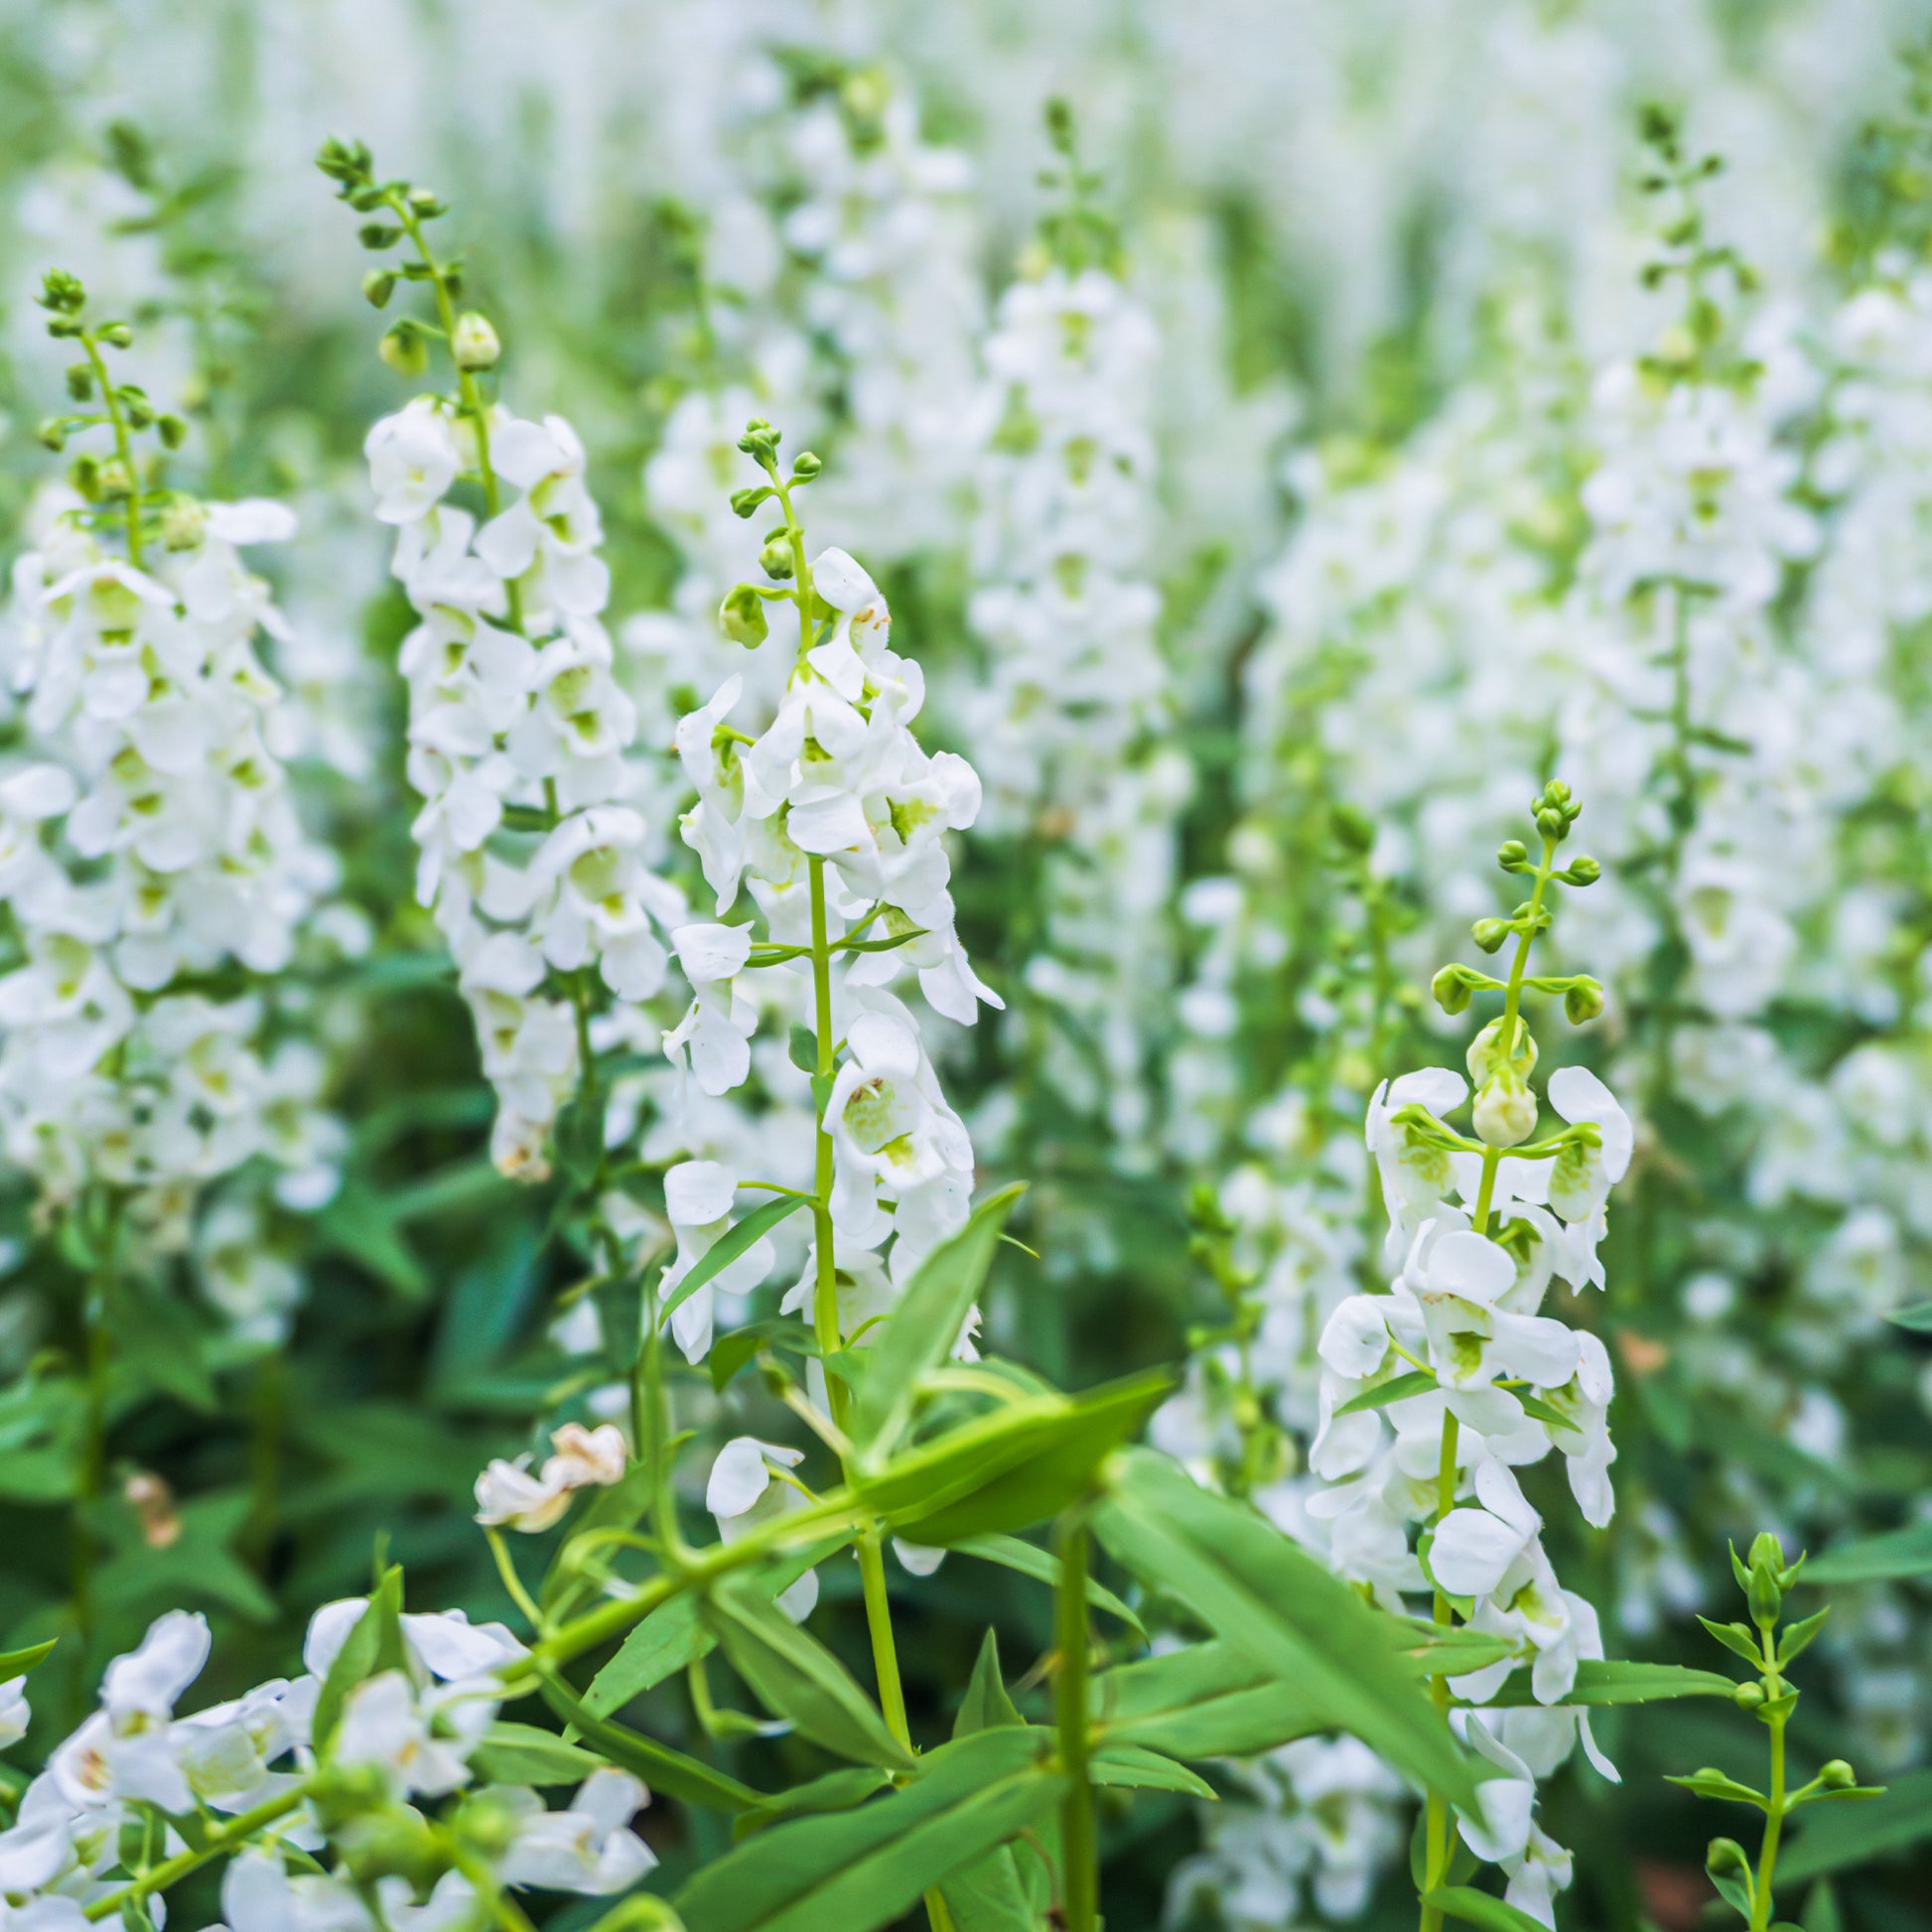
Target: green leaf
{"points": [[662, 1768], [1135, 1768], [986, 1704], [1418, 1381], [159, 1341], [1016, 1466], [1554, 1417], [744, 1237], [1210, 1700], [924, 1323], [835, 1791], [17, 1662], [1820, 1909], [990, 1896], [1263, 1593], [1876, 1559], [1848, 1836], [1919, 1318], [1715, 1784], [857, 1870], [373, 1643], [797, 1678], [672, 1637], [358, 1225], [513, 1753], [1797, 1637], [1030, 1559], [801, 1049], [1737, 1639], [1615, 1681], [730, 1353], [1480, 1909]]}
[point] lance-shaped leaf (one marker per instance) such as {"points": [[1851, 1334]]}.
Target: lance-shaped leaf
{"points": [[835, 1791], [1132, 1767], [662, 1768], [512, 1753], [673, 1636], [1302, 1625], [1398, 1388], [1210, 1700], [988, 1895], [1917, 1319], [1875, 1559], [17, 1662], [1030, 1559], [374, 1643], [1481, 1908], [738, 1240], [797, 1678], [986, 1704], [1016, 1466], [1615, 1681], [856, 1871], [925, 1323]]}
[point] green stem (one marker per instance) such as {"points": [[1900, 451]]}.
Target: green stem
{"points": [[1080, 1894], [220, 1841], [879, 1620], [123, 443], [1768, 1857]]}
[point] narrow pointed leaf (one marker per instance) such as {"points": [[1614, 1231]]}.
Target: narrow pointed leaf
{"points": [[1831, 1839], [1876, 1559], [662, 1768], [17, 1662], [1030, 1559], [1417, 1382], [988, 1896], [1210, 1700], [1481, 1909], [1715, 1784], [1919, 1318], [512, 1753], [1263, 1593], [1132, 1767], [1796, 1638], [797, 1678], [1736, 1638], [742, 1238], [925, 1323], [857, 1870], [1615, 1681], [835, 1791], [986, 1704]]}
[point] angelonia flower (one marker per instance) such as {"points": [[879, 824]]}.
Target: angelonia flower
{"points": [[534, 856], [1068, 712], [836, 780], [400, 1745], [1436, 1392], [154, 870]]}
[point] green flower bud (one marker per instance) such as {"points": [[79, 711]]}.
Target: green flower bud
{"points": [[1505, 1111], [53, 433], [805, 467], [742, 616], [1489, 935], [474, 344], [1837, 1775], [80, 381], [1488, 1056], [1725, 1855], [1767, 1600], [117, 334], [379, 234], [182, 523], [1512, 855], [404, 349], [1583, 869], [174, 431], [84, 475], [1451, 989], [1582, 999], [1552, 824], [378, 285], [744, 501], [775, 558], [426, 205], [140, 411], [1354, 832], [1747, 1697]]}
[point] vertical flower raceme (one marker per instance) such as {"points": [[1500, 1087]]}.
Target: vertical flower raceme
{"points": [[1436, 1392], [1068, 717], [532, 853], [155, 871]]}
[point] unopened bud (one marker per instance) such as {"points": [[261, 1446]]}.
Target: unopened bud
{"points": [[1582, 999], [744, 501], [1837, 1775], [378, 285], [474, 345], [80, 381], [182, 523], [1489, 935], [1725, 1855], [742, 616], [1747, 1697], [404, 350], [1512, 855], [379, 234], [807, 466], [174, 431], [1552, 824], [1583, 869], [53, 433], [775, 558], [1505, 1112], [1451, 987]]}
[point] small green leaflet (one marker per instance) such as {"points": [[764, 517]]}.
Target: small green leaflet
{"points": [[856, 1871], [1716, 1784], [727, 1249], [17, 1662], [1030, 1559], [1875, 1559], [374, 1643], [1481, 1908], [527, 1754], [1617, 1681], [730, 1353], [1418, 1381], [986, 1704], [925, 1323], [797, 1678], [1918, 1319]]}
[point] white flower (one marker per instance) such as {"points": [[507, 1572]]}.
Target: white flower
{"points": [[388, 1723], [508, 1492], [698, 1201], [741, 1492], [716, 1032], [587, 1846]]}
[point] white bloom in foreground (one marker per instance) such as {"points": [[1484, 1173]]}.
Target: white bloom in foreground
{"points": [[742, 1493], [512, 1493], [588, 1845]]}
